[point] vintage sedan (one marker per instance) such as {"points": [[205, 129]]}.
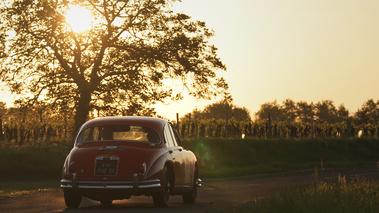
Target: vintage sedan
{"points": [[115, 158]]}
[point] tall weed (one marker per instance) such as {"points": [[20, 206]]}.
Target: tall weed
{"points": [[357, 195]]}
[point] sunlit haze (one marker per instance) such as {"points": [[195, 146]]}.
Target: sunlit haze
{"points": [[309, 51], [79, 18]]}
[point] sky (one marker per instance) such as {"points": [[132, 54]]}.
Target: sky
{"points": [[304, 50]]}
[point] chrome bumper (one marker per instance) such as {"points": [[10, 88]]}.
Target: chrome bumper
{"points": [[135, 184]]}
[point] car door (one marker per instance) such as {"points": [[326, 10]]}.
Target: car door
{"points": [[176, 155]]}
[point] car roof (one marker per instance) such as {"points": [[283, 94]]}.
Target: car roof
{"points": [[156, 123]]}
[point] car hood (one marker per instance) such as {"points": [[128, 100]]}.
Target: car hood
{"points": [[130, 157]]}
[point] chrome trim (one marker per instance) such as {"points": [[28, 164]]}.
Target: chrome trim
{"points": [[110, 158], [135, 184], [198, 182], [74, 180], [111, 148], [135, 181]]}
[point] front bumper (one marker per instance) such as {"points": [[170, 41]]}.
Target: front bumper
{"points": [[85, 184]]}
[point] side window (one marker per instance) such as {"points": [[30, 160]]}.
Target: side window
{"points": [[168, 136], [175, 136]]}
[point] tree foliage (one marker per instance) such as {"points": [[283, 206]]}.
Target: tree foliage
{"points": [[369, 113], [122, 64], [221, 110], [323, 111]]}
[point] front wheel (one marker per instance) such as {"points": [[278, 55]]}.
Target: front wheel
{"points": [[72, 199], [190, 197], [161, 198]]}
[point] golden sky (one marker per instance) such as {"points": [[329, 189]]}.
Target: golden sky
{"points": [[305, 50]]}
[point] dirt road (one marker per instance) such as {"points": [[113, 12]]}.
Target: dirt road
{"points": [[216, 195]]}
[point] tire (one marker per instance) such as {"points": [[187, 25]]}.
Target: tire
{"points": [[190, 197], [161, 198], [72, 199]]}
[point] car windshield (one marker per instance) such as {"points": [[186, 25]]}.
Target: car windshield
{"points": [[119, 133]]}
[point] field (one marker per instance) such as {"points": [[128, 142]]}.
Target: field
{"points": [[38, 168], [217, 157], [223, 157]]}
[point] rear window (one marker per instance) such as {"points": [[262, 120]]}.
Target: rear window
{"points": [[119, 133]]}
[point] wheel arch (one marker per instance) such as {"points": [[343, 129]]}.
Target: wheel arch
{"points": [[170, 167]]}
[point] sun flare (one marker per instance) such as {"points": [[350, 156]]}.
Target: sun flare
{"points": [[79, 18]]}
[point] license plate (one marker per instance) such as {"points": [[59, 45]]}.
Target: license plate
{"points": [[106, 166]]}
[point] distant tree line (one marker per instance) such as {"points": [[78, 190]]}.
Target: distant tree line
{"points": [[321, 112], [22, 124], [303, 112], [289, 120]]}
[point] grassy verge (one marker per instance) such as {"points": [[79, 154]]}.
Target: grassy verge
{"points": [[11, 189], [359, 195], [38, 161], [223, 157], [217, 157]]}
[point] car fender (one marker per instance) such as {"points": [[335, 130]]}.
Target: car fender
{"points": [[156, 168]]}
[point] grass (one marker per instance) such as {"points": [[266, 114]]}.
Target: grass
{"points": [[217, 157], [357, 195], [227, 157], [11, 189], [38, 161], [36, 168]]}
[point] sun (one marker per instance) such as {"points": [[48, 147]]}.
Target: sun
{"points": [[79, 18]]}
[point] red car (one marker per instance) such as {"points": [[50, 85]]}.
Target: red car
{"points": [[117, 157]]}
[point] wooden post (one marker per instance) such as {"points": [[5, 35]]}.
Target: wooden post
{"points": [[177, 124], [226, 125], [196, 128], [313, 127], [348, 127], [189, 125], [269, 130], [1, 130]]}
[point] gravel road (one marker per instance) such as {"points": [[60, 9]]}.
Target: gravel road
{"points": [[216, 195]]}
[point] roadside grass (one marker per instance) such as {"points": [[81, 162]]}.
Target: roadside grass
{"points": [[36, 167], [11, 189], [357, 195], [43, 160], [236, 157]]}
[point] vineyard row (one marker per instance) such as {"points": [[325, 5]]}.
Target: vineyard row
{"points": [[20, 134]]}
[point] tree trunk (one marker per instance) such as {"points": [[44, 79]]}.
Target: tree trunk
{"points": [[82, 110]]}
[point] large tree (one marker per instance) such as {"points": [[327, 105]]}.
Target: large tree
{"points": [[270, 110], [133, 49], [305, 111], [326, 112]]}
